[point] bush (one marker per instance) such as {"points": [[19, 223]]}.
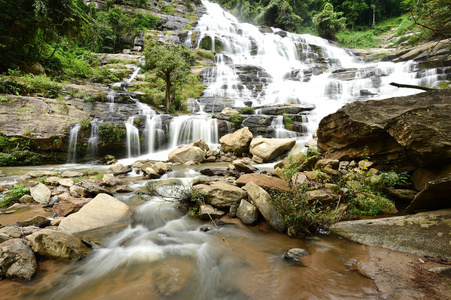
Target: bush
{"points": [[168, 9], [14, 195], [110, 133], [247, 110], [236, 119]]}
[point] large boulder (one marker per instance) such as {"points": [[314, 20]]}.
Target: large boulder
{"points": [[247, 213], [237, 142], [263, 201], [17, 261], [40, 192], [412, 234], [264, 181], [68, 206], [57, 245], [436, 195], [402, 133], [103, 213], [220, 194], [270, 149], [185, 154]]}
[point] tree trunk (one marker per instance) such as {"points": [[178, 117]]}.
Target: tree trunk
{"points": [[168, 92]]}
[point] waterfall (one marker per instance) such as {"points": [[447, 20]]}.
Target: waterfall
{"points": [[133, 145], [279, 129], [110, 97], [73, 138], [186, 129], [153, 133], [93, 141]]}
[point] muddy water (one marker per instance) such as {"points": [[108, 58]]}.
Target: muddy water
{"points": [[166, 255]]}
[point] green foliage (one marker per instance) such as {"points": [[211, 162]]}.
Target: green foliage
{"points": [[288, 122], [194, 212], [366, 204], [31, 85], [145, 22], [109, 133], [279, 13], [329, 23], [435, 16], [14, 195], [236, 119], [247, 110], [357, 39], [168, 9], [84, 124]]}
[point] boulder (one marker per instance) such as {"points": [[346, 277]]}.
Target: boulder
{"points": [[124, 189], [162, 168], [220, 194], [402, 195], [264, 181], [205, 211], [17, 261], [93, 187], [71, 174], [40, 192], [103, 213], [69, 206], [322, 163], [325, 196], [119, 169], [436, 195], [270, 149], [290, 161], [185, 154], [237, 142], [243, 166], [26, 199], [411, 234], [110, 180], [228, 111], [66, 182], [401, 133], [79, 191], [201, 144], [247, 213], [38, 221], [262, 200]]}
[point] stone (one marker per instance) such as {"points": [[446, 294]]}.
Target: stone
{"points": [[151, 173], [324, 196], [71, 174], [264, 181], [243, 166], [79, 191], [185, 154], [322, 163], [247, 213], [56, 221], [402, 195], [4, 237], [290, 161], [5, 187], [26, 199], [123, 189], [228, 111], [119, 169], [205, 211], [93, 187], [294, 254], [57, 245], [11, 231], [220, 194], [66, 182], [422, 176], [401, 133], [436, 195], [396, 233], [40, 193], [103, 213], [200, 144], [69, 206], [17, 261], [299, 179], [162, 168], [111, 180], [34, 68], [270, 149], [263, 202], [365, 164], [237, 142], [38, 221], [279, 172]]}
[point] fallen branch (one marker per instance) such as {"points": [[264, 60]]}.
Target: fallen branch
{"points": [[409, 86]]}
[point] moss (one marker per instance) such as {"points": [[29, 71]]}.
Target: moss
{"points": [[110, 133]]}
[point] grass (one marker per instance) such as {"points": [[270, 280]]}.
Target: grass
{"points": [[14, 195]]}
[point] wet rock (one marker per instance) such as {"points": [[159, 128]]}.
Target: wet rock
{"points": [[237, 142], [111, 180], [324, 196], [5, 187], [71, 174], [40, 192], [205, 211], [436, 195], [66, 182], [264, 181], [26, 199], [17, 261], [56, 221], [295, 254], [161, 168], [291, 161], [220, 194], [150, 172], [262, 200], [247, 213], [124, 189], [396, 233], [94, 188], [200, 144], [402, 195], [187, 153], [38, 221], [119, 169], [69, 206], [12, 231], [243, 166], [172, 276], [101, 213], [322, 163], [79, 191], [57, 245]]}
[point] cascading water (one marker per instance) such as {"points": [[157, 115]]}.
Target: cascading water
{"points": [[73, 139], [93, 141], [132, 138], [153, 133], [279, 129], [184, 129]]}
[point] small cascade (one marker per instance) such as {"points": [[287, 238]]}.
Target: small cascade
{"points": [[110, 98], [279, 129], [132, 133], [153, 134], [186, 129], [93, 141], [73, 139]]}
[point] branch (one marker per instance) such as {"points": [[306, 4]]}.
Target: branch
{"points": [[409, 86]]}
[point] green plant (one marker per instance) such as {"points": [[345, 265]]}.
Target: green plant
{"points": [[14, 195], [194, 212], [84, 124], [168, 9], [247, 110], [236, 119], [366, 204], [288, 122], [109, 133], [312, 153]]}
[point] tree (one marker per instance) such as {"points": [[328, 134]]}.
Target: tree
{"points": [[170, 63], [434, 15], [329, 23]]}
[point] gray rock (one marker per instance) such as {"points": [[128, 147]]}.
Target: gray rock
{"points": [[294, 254], [17, 261], [402, 195], [247, 213], [94, 188], [12, 231], [220, 194], [424, 234], [119, 169], [262, 200], [66, 182], [205, 211], [38, 221], [71, 174], [40, 193], [57, 245], [110, 180]]}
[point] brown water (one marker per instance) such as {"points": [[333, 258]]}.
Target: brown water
{"points": [[165, 255]]}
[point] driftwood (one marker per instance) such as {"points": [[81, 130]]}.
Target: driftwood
{"points": [[409, 86]]}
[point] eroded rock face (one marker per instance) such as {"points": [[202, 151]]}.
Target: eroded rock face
{"points": [[237, 142], [412, 234], [186, 154], [270, 149], [103, 213], [436, 195], [17, 261], [402, 133], [57, 245]]}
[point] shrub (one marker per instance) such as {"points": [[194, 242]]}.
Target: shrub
{"points": [[14, 195], [247, 110], [236, 119]]}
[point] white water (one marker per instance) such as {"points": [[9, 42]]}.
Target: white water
{"points": [[93, 141], [132, 139], [73, 139], [280, 130], [188, 128]]}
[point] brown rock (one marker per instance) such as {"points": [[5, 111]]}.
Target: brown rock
{"points": [[237, 142], [68, 206], [263, 181]]}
